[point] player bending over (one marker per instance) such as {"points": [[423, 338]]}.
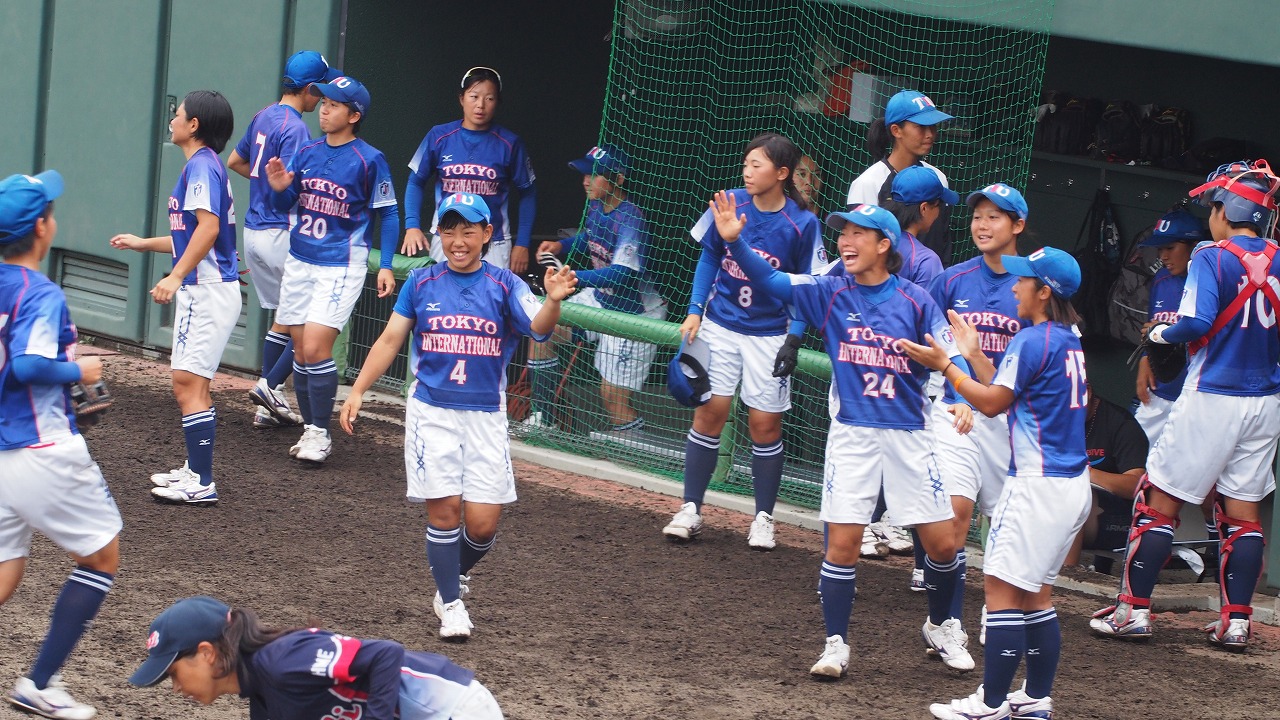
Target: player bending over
{"points": [[332, 191], [48, 481], [204, 286], [1222, 430], [878, 416], [617, 241], [465, 318], [1041, 383], [209, 650], [276, 131]]}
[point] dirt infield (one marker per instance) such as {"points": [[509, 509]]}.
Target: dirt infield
{"points": [[582, 610]]}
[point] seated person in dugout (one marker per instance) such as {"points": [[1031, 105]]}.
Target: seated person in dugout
{"points": [[1117, 450]]}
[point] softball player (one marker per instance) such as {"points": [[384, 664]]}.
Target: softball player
{"points": [[1229, 409], [276, 131], [474, 155], [617, 240], [204, 285], [809, 181], [745, 331], [1041, 383], [331, 191], [48, 481], [1176, 235], [209, 650], [878, 412], [899, 140], [465, 317]]}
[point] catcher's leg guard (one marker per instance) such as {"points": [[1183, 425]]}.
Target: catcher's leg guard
{"points": [[1244, 540], [1144, 556]]}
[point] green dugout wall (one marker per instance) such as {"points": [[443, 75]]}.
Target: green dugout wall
{"points": [[90, 89]]}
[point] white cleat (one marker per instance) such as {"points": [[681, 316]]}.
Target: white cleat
{"points": [[176, 475], [686, 524], [52, 702], [315, 446], [455, 623], [950, 643], [834, 660], [970, 708], [761, 535]]}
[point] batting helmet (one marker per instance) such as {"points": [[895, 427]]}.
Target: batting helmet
{"points": [[1246, 190]]}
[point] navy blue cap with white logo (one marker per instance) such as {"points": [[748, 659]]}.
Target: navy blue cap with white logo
{"points": [[688, 375], [919, 184], [1176, 226], [307, 66], [345, 89], [181, 627]]}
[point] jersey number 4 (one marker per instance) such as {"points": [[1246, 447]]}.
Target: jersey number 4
{"points": [[459, 373]]}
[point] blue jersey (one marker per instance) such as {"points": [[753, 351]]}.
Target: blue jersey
{"points": [[920, 264], [789, 239], [876, 384], [488, 163], [616, 239], [984, 298], [203, 185], [1166, 295], [33, 321], [314, 675], [466, 327], [336, 189], [1241, 358], [276, 131], [1044, 367]]}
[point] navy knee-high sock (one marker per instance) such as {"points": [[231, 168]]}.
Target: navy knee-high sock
{"points": [[1044, 647], [957, 597], [472, 551], [837, 585], [275, 346], [443, 555], [1243, 566], [881, 508], [1006, 644], [545, 376], [198, 430], [766, 475], [302, 389], [917, 549], [940, 586], [322, 384], [75, 609], [1211, 551], [701, 452], [1143, 565]]}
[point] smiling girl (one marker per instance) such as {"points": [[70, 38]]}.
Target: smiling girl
{"points": [[466, 318], [878, 412]]}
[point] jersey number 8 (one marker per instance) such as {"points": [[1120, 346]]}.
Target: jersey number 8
{"points": [[744, 296]]}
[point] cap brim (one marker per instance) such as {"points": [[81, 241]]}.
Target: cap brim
{"points": [[583, 166], [837, 220], [950, 197], [326, 90], [930, 117], [333, 74], [152, 670], [1018, 265], [1003, 203], [52, 183]]}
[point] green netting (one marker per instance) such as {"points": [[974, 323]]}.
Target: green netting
{"points": [[689, 84]]}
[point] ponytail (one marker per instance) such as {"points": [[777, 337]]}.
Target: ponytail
{"points": [[244, 635], [879, 139]]}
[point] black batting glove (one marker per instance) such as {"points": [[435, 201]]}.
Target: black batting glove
{"points": [[788, 355]]}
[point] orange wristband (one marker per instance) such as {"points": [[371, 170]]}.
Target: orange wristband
{"points": [[956, 383]]}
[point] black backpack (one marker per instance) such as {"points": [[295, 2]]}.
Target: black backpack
{"points": [[1119, 135], [1099, 260], [1069, 129], [1165, 136]]}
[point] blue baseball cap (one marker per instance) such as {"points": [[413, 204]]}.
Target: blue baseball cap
{"points": [[688, 375], [345, 89], [608, 158], [919, 184], [181, 627], [913, 106], [869, 216], [23, 199], [306, 67], [1176, 226], [1006, 197], [471, 207], [1055, 268]]}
